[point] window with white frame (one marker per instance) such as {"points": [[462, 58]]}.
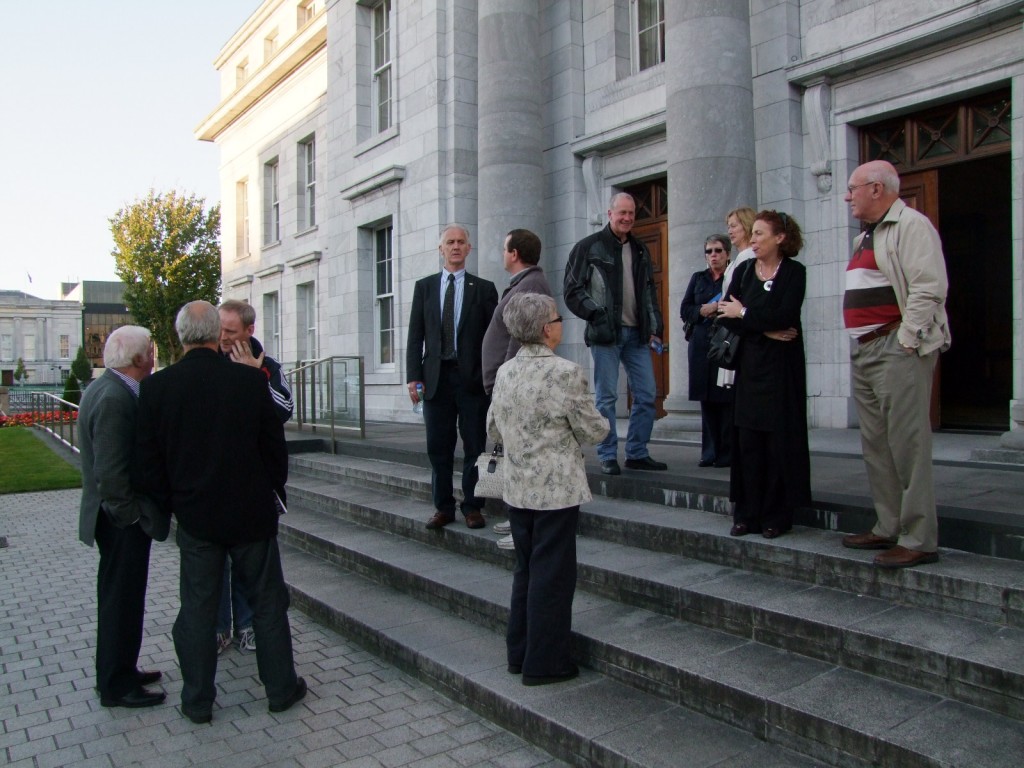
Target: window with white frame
{"points": [[383, 260], [64, 341], [242, 219], [7, 346], [271, 203], [241, 73], [272, 324], [270, 46], [307, 183], [304, 13], [382, 70], [648, 22], [305, 314]]}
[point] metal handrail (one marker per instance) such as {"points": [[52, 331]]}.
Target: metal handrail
{"points": [[50, 411], [307, 382]]}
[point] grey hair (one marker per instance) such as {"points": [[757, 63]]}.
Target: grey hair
{"points": [[124, 344], [246, 312], [722, 240], [617, 195], [889, 179], [198, 323], [453, 225], [525, 316]]}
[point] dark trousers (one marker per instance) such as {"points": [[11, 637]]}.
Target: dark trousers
{"points": [[543, 584], [762, 456], [257, 566], [121, 600], [716, 432], [453, 412]]}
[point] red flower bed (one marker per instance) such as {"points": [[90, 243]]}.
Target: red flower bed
{"points": [[29, 419]]}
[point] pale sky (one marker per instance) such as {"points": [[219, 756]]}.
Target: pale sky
{"points": [[99, 102]]}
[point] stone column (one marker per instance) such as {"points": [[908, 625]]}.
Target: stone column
{"points": [[510, 131], [710, 150]]}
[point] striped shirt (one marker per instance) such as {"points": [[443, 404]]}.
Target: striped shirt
{"points": [[869, 301], [131, 383]]}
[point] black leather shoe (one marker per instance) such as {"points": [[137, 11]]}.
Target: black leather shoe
{"points": [[646, 463], [197, 716], [723, 464], [611, 467], [574, 671], [515, 669], [705, 463], [140, 697], [145, 677], [297, 695], [740, 529]]}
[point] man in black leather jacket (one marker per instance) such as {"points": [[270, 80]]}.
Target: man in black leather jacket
{"points": [[609, 282]]}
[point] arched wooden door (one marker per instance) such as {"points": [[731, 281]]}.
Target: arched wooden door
{"points": [[651, 228]]}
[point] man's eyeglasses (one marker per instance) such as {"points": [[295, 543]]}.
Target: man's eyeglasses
{"points": [[709, 251], [858, 186], [558, 319]]}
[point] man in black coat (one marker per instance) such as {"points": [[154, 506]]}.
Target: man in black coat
{"points": [[448, 365], [212, 449], [118, 519]]}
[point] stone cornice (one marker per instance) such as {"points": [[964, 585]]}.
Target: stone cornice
{"points": [[390, 175]]}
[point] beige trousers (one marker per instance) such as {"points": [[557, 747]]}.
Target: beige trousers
{"points": [[893, 393]]}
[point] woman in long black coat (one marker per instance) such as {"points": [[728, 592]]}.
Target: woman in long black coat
{"points": [[771, 471], [699, 307]]}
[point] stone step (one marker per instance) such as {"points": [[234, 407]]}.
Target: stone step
{"points": [[768, 692], [967, 585], [593, 720]]}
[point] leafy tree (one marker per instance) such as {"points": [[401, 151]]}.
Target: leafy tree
{"points": [[72, 391], [167, 252], [20, 374], [81, 368]]}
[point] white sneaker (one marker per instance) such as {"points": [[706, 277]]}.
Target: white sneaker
{"points": [[506, 542], [247, 640], [503, 528], [223, 642]]}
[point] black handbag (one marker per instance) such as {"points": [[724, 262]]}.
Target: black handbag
{"points": [[688, 329], [724, 350]]}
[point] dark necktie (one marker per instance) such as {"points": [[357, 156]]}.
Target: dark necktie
{"points": [[448, 321]]}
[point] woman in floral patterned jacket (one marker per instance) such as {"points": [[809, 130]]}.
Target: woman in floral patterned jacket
{"points": [[542, 411]]}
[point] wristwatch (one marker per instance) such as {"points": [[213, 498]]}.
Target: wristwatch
{"points": [[743, 313]]}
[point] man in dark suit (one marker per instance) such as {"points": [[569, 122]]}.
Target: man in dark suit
{"points": [[450, 314], [212, 448], [120, 521]]}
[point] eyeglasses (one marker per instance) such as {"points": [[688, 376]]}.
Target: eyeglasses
{"points": [[557, 319], [858, 186], [709, 251]]}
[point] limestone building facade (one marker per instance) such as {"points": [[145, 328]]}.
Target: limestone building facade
{"points": [[43, 333], [532, 113]]}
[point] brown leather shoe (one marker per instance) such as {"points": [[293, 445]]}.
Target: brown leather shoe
{"points": [[440, 520], [867, 541], [474, 519], [901, 557]]}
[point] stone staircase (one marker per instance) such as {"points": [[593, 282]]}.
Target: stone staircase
{"points": [[697, 649]]}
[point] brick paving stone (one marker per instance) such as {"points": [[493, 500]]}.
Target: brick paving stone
{"points": [[361, 712]]}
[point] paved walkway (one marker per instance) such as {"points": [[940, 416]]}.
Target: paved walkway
{"points": [[360, 712]]}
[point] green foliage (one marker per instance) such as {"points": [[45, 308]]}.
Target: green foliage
{"points": [[20, 374], [81, 368], [72, 390], [30, 465], [167, 252]]}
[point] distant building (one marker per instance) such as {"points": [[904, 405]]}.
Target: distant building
{"points": [[103, 311], [44, 333]]}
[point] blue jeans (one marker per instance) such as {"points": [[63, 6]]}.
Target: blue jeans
{"points": [[257, 565], [635, 356], [232, 601]]}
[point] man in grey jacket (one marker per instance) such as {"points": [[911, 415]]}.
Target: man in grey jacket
{"points": [[520, 255], [894, 310], [121, 522]]}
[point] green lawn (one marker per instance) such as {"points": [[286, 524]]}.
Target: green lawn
{"points": [[26, 464]]}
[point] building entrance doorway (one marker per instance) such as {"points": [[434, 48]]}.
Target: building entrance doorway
{"points": [[651, 228], [954, 165]]}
